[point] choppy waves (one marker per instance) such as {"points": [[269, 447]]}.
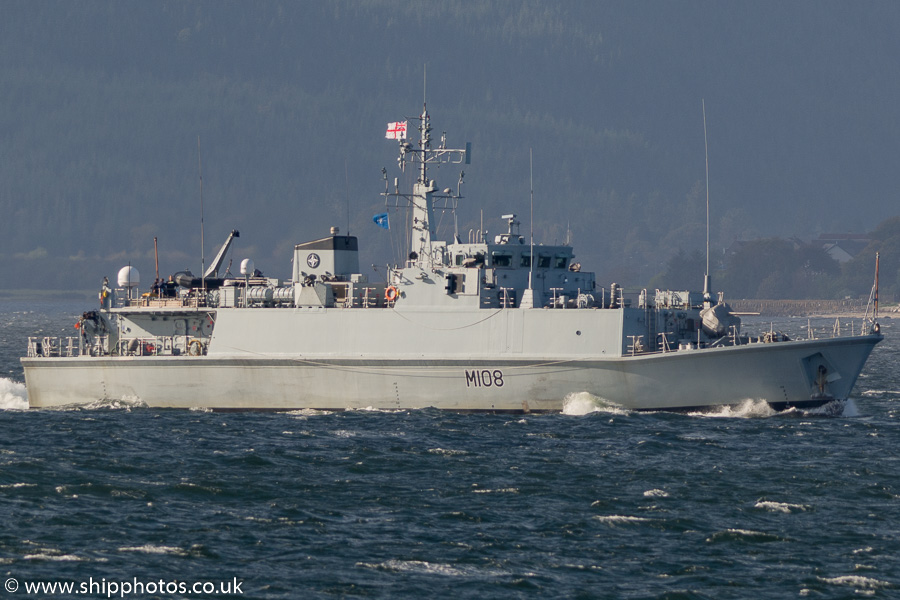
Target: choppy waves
{"points": [[457, 505]]}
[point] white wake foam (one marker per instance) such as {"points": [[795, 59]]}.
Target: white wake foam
{"points": [[13, 395], [756, 409], [835, 408], [582, 403], [881, 393], [125, 403], [748, 409], [620, 519], [784, 507], [423, 567], [152, 549], [856, 581]]}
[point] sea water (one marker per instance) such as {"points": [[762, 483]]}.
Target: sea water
{"points": [[598, 502]]}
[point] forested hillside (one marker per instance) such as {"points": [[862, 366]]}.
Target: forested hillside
{"points": [[102, 104]]}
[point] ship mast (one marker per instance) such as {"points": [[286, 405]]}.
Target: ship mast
{"points": [[420, 252], [425, 193]]}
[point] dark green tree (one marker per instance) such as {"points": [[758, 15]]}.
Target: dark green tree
{"points": [[858, 274], [684, 271], [780, 269]]}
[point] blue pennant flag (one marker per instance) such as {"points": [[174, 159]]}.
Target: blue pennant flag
{"points": [[381, 220]]}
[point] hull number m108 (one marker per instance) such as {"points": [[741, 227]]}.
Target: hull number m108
{"points": [[484, 378]]}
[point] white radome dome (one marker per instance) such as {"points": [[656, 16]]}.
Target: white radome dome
{"points": [[129, 277]]}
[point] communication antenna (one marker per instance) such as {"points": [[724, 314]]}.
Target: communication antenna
{"points": [[531, 245], [347, 192], [200, 172], [528, 297], [707, 297]]}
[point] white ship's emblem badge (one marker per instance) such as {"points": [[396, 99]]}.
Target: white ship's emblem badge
{"points": [[312, 260]]}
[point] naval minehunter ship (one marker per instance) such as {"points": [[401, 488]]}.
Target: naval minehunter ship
{"points": [[478, 325]]}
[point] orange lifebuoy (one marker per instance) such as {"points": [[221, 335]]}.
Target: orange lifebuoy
{"points": [[391, 293]]}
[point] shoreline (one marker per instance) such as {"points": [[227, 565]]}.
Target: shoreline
{"points": [[51, 295], [850, 309]]}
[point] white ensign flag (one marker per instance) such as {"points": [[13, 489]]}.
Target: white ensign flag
{"points": [[396, 131]]}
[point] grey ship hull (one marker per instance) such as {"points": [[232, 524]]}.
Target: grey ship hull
{"points": [[781, 374]]}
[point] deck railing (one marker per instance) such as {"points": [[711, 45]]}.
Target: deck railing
{"points": [[68, 347]]}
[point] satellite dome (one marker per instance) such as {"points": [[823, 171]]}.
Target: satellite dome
{"points": [[129, 277], [247, 266]]}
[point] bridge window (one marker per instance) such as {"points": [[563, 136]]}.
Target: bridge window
{"points": [[526, 260], [501, 260], [560, 262], [543, 262]]}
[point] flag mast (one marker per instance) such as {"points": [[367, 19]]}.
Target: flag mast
{"points": [[425, 191]]}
